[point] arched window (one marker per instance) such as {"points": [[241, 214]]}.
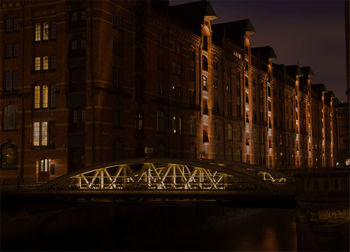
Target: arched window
{"points": [[8, 156], [9, 117], [205, 63], [229, 132]]}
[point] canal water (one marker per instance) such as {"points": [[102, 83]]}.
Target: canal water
{"points": [[136, 227]]}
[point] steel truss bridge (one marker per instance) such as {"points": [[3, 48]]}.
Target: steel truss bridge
{"points": [[171, 177]]}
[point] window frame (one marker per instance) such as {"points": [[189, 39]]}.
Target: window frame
{"points": [[4, 157]]}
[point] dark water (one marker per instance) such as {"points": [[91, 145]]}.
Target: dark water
{"points": [[167, 227], [149, 228]]}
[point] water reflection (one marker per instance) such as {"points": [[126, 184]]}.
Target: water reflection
{"points": [[152, 228]]}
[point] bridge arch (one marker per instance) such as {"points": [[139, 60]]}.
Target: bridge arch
{"points": [[160, 174]]}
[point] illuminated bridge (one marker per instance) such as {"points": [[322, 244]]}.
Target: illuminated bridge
{"points": [[169, 179]]}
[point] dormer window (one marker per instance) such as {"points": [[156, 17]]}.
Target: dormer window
{"points": [[205, 43], [205, 63]]}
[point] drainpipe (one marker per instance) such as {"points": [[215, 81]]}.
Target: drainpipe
{"points": [[21, 179], [92, 85]]}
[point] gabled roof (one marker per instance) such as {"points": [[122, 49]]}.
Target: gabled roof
{"points": [[265, 53], [192, 14], [307, 71], [293, 71], [234, 31], [319, 88]]}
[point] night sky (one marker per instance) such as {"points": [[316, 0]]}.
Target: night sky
{"points": [[305, 32]]}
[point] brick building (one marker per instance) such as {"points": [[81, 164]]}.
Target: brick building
{"points": [[86, 82]]}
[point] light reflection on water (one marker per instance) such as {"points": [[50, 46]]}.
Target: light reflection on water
{"points": [[157, 228]]}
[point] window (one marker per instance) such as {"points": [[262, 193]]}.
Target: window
{"points": [[43, 134], [44, 165], [205, 136], [74, 44], [45, 31], [74, 17], [205, 43], [204, 78], [52, 62], [53, 31], [44, 96], [14, 80], [37, 32], [205, 63], [8, 85], [8, 25], [15, 24], [205, 107], [37, 64], [83, 44], [77, 120], [45, 63], [193, 127], [8, 50], [229, 132], [8, 156], [15, 50], [120, 22], [9, 117], [114, 21]]}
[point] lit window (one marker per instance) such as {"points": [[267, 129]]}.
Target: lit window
{"points": [[45, 96], [45, 63], [44, 135], [37, 97], [46, 31], [204, 82], [8, 157], [37, 32], [36, 134], [37, 66], [44, 165]]}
